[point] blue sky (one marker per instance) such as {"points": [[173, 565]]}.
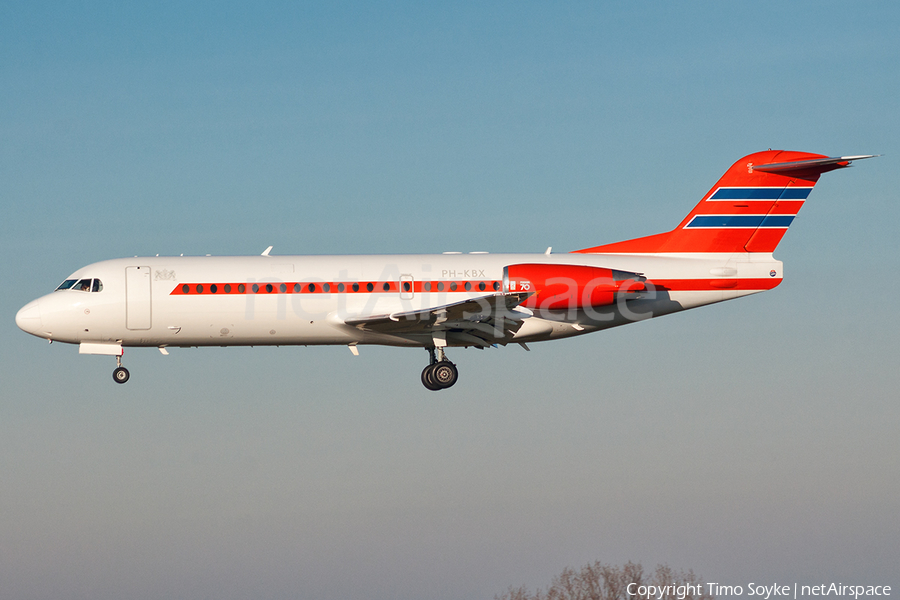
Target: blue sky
{"points": [[750, 441]]}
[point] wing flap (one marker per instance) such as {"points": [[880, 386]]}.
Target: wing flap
{"points": [[477, 321]]}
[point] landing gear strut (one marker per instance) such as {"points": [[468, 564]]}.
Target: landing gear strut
{"points": [[121, 374], [440, 372]]}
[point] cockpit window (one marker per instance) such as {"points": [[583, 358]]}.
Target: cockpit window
{"points": [[83, 285]]}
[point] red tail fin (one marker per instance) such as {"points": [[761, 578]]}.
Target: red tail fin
{"points": [[748, 210]]}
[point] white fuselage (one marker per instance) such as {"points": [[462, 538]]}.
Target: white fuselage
{"points": [[142, 302]]}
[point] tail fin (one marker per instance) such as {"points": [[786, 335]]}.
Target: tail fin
{"points": [[748, 210]]}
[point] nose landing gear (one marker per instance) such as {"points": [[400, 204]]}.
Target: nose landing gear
{"points": [[121, 374], [440, 372]]}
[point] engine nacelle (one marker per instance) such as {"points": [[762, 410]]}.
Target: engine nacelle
{"points": [[562, 287]]}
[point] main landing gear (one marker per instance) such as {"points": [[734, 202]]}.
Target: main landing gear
{"points": [[121, 374], [440, 372]]}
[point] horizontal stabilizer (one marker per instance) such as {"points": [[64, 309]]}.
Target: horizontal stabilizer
{"points": [[820, 165]]}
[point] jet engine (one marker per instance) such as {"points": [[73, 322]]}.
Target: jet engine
{"points": [[563, 287]]}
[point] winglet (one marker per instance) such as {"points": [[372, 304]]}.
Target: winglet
{"points": [[266, 251]]}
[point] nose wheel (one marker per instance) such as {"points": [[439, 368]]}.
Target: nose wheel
{"points": [[440, 373], [121, 374]]}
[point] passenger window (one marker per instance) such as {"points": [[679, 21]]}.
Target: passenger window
{"points": [[369, 287], [355, 287], [426, 286], [481, 286]]}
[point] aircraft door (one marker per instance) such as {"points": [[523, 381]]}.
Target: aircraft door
{"points": [[137, 297], [407, 287]]}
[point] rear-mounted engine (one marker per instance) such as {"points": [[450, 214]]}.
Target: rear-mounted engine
{"points": [[562, 287]]}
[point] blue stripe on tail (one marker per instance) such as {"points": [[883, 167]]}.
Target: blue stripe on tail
{"points": [[769, 193], [741, 221]]}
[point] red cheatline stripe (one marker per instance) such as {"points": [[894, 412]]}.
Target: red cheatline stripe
{"points": [[393, 287], [685, 285], [332, 287]]}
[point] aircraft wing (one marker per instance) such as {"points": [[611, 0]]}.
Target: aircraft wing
{"points": [[481, 321]]}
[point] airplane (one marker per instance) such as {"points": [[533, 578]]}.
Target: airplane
{"points": [[723, 249]]}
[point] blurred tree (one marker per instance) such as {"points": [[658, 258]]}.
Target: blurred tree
{"points": [[604, 582]]}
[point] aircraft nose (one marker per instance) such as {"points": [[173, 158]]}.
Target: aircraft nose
{"points": [[29, 318]]}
